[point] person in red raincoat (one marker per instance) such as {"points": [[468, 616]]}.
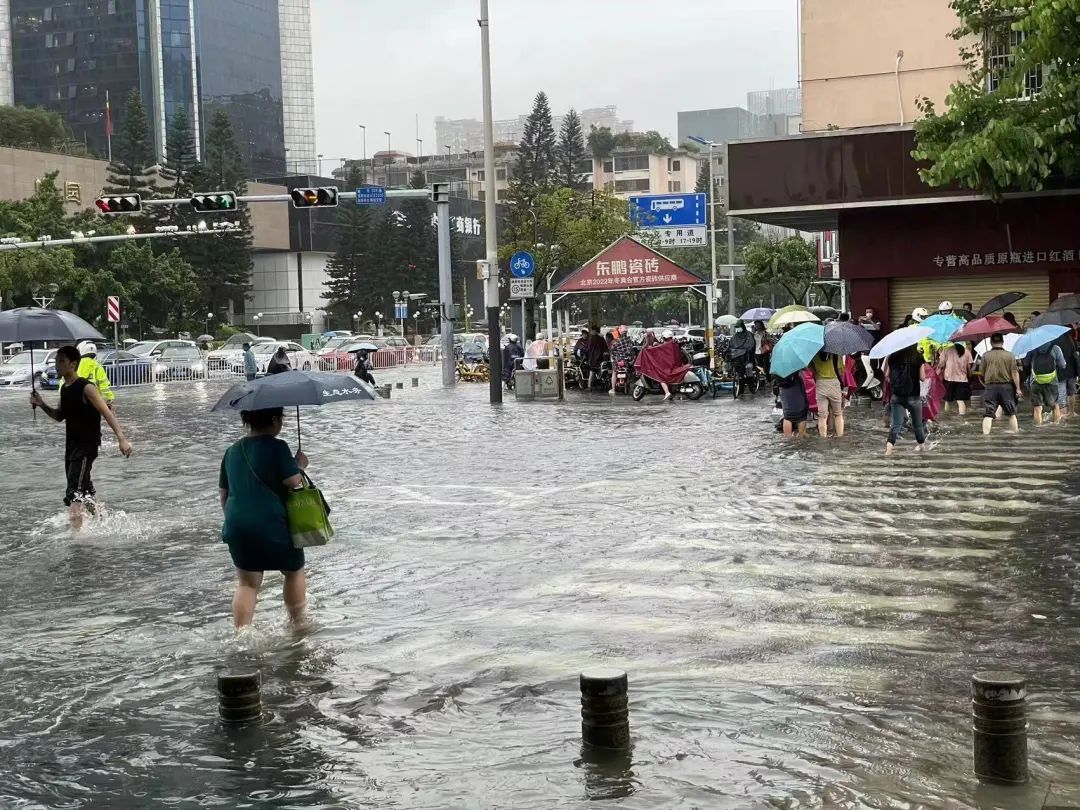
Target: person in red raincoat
{"points": [[663, 362]]}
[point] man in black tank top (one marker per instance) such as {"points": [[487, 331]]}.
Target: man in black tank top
{"points": [[81, 409]]}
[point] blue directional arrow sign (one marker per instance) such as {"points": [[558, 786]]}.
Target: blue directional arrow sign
{"points": [[669, 210], [522, 264], [371, 195]]}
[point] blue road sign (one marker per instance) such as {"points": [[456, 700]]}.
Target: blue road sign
{"points": [[669, 210], [522, 264], [371, 195]]}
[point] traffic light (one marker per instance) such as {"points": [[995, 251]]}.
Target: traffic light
{"points": [[121, 204], [325, 197], [212, 201]]}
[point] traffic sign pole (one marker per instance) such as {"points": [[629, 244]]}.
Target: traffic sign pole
{"points": [[441, 192]]}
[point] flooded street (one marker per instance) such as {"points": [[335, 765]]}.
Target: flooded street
{"points": [[799, 621]]}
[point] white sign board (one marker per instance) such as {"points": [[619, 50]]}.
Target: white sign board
{"points": [[682, 237], [521, 288]]}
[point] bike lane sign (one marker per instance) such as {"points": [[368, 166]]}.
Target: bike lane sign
{"points": [[522, 264]]}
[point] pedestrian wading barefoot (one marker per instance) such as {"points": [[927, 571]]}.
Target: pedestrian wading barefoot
{"points": [[257, 473]]}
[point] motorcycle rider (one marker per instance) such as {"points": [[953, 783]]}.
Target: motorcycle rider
{"points": [[511, 351], [594, 354], [90, 369], [622, 350], [741, 350]]}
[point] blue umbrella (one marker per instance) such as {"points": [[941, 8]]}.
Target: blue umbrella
{"points": [[1039, 336], [900, 339], [794, 351], [757, 314], [944, 326]]}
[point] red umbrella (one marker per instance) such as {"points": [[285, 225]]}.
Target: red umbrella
{"points": [[982, 328]]}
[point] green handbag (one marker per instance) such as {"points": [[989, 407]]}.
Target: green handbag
{"points": [[306, 510], [309, 516]]}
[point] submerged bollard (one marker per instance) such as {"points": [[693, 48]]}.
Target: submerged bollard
{"points": [[238, 698], [415, 382], [383, 391], [605, 721], [999, 726]]}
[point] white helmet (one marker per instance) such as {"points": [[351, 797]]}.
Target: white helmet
{"points": [[919, 314], [512, 338], [945, 306], [667, 334], [87, 349]]}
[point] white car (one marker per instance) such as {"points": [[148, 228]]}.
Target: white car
{"points": [[300, 358], [154, 348], [335, 343], [17, 370], [232, 351]]}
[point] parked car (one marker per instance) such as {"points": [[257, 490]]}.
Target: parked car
{"points": [[179, 363], [300, 357], [333, 344], [395, 342], [17, 369], [153, 348], [222, 358], [122, 368]]}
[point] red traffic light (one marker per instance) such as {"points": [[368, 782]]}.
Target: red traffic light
{"points": [[324, 197], [120, 204]]}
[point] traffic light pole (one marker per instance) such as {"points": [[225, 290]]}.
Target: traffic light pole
{"points": [[492, 245], [97, 240]]}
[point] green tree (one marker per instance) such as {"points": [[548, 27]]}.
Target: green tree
{"points": [[134, 166], [651, 141], [787, 264], [181, 160], [536, 161], [601, 142], [222, 263], [571, 152], [419, 244], [33, 128], [347, 270], [1010, 137]]}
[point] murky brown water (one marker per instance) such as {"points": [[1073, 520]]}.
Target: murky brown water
{"points": [[799, 622]]}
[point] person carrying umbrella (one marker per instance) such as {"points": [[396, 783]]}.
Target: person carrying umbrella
{"points": [[954, 363], [1002, 380], [511, 351], [905, 372], [81, 410], [1067, 380], [90, 369], [827, 375]]}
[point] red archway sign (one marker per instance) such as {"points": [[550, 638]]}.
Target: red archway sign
{"points": [[625, 265]]}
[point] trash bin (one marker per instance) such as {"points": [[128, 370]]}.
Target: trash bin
{"points": [[547, 384], [525, 384]]}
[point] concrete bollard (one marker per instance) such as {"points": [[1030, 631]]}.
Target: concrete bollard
{"points": [[238, 698], [383, 391], [399, 386], [605, 721], [999, 726], [415, 382]]}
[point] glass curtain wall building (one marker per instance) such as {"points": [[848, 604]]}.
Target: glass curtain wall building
{"points": [[250, 58]]}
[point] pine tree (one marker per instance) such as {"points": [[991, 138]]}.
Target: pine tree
{"points": [[348, 272], [703, 179], [134, 166], [420, 247], [571, 152], [223, 262], [536, 162], [180, 160]]}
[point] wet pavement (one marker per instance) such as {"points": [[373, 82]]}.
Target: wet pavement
{"points": [[799, 621]]}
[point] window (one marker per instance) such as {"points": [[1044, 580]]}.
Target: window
{"points": [[609, 167], [585, 167], [635, 163], [631, 185], [674, 165], [674, 185], [1000, 59], [480, 175], [500, 174]]}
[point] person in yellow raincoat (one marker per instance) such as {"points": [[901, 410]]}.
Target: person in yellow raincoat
{"points": [[90, 369]]}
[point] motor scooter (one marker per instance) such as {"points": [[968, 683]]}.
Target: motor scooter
{"points": [[867, 380], [691, 387]]}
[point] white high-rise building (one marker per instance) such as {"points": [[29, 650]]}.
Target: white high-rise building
{"points": [[297, 85]]}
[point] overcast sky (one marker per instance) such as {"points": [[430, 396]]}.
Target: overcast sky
{"points": [[383, 62]]}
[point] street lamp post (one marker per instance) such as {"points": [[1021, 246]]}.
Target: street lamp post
{"points": [[258, 324], [468, 317], [378, 323], [363, 153], [388, 161], [491, 243], [320, 165], [209, 317], [448, 153]]}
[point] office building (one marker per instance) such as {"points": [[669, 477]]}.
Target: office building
{"points": [[719, 125], [783, 101], [467, 134], [251, 58]]}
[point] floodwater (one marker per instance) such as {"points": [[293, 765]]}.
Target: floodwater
{"points": [[799, 621]]}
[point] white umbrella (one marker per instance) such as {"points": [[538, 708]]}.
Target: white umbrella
{"points": [[899, 339], [798, 316], [1010, 341]]}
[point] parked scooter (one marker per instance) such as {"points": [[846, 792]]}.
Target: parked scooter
{"points": [[691, 387], [624, 376], [867, 379]]}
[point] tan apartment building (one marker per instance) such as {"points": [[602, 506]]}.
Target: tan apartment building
{"points": [[901, 244], [865, 62]]}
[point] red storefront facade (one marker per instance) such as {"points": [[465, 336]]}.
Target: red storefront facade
{"points": [[902, 243]]}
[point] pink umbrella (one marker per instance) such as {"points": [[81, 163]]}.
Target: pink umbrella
{"points": [[981, 328]]}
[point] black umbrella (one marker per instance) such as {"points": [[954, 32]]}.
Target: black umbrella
{"points": [[31, 325], [293, 389], [826, 313], [1071, 301], [1058, 317], [845, 337], [999, 302], [964, 314]]}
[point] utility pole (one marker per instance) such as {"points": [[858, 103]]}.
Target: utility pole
{"points": [[730, 229], [492, 288]]}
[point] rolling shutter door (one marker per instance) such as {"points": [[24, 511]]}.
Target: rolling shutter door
{"points": [[905, 294]]}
